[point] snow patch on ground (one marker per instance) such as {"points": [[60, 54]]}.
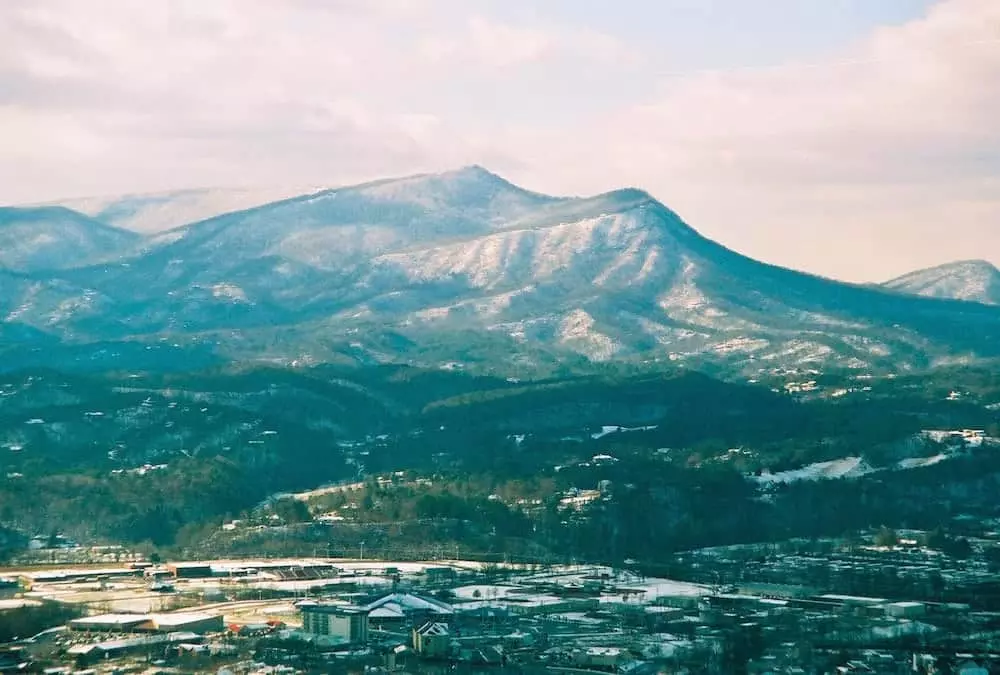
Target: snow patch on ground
{"points": [[867, 345], [684, 294], [613, 429], [827, 321], [486, 307], [524, 256], [741, 344], [847, 467], [577, 330], [801, 351], [165, 238], [67, 308], [225, 291], [433, 313], [918, 462], [667, 335]]}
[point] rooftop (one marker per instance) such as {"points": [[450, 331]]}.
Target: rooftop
{"points": [[434, 628], [406, 603], [854, 599], [110, 620], [128, 643], [331, 608], [180, 618]]}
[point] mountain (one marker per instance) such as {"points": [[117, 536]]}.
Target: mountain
{"points": [[41, 238], [971, 280], [466, 270], [154, 212]]}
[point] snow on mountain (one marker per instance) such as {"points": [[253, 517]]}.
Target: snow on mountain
{"points": [[331, 228], [44, 304], [464, 266], [970, 280], [605, 249], [156, 212], [49, 238], [576, 331], [946, 445], [484, 196]]}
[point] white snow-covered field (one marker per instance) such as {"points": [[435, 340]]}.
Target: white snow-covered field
{"points": [[846, 467]]}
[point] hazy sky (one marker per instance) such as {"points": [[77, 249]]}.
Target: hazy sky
{"points": [[853, 138]]}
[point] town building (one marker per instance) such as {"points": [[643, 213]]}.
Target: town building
{"points": [[432, 640], [407, 608], [108, 649], [905, 610], [192, 570], [345, 624], [191, 622]]}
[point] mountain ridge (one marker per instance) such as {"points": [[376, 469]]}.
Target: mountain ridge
{"points": [[55, 237], [967, 280], [465, 269], [151, 213]]}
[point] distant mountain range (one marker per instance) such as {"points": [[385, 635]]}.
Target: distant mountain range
{"points": [[53, 238], [155, 212], [455, 270], [972, 280]]}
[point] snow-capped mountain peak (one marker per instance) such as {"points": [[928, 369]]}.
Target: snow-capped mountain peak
{"points": [[397, 269], [485, 195], [969, 280]]}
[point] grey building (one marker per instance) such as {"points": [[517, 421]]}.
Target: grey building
{"points": [[344, 623]]}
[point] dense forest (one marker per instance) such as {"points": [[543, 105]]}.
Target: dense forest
{"points": [[166, 458]]}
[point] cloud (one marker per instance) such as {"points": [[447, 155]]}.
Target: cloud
{"points": [[849, 165], [183, 92], [491, 43], [926, 90], [122, 95], [832, 166]]}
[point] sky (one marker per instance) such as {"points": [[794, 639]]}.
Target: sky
{"points": [[858, 139]]}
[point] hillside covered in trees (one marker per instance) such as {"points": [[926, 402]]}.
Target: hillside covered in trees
{"points": [[165, 459]]}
